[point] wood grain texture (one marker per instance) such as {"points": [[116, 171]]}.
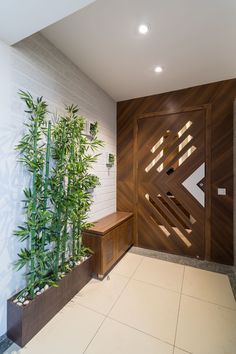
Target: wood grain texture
{"points": [[109, 239], [162, 199], [218, 99], [109, 222], [24, 322]]}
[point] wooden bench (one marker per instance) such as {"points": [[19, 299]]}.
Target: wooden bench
{"points": [[109, 239]]}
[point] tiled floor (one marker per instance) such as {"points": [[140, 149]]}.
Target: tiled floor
{"points": [[148, 306]]}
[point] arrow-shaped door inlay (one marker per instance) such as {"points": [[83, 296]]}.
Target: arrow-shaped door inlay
{"points": [[191, 184]]}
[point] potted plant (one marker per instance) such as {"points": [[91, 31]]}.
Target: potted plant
{"points": [[59, 158]]}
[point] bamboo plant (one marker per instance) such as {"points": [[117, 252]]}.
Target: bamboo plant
{"points": [[74, 155], [59, 158], [32, 150]]}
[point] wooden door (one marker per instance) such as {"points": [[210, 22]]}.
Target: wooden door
{"points": [[171, 170]]}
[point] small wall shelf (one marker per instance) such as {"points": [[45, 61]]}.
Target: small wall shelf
{"points": [[90, 129]]}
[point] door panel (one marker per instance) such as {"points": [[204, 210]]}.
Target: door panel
{"points": [[170, 183]]}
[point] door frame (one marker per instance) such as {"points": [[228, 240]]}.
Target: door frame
{"points": [[207, 108]]}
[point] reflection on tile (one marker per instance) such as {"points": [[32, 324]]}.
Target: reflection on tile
{"points": [[205, 328], [208, 286], [165, 274], [127, 265], [116, 338], [148, 308], [101, 295]]}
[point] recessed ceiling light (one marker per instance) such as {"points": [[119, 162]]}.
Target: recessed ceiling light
{"points": [[143, 29], [158, 69]]}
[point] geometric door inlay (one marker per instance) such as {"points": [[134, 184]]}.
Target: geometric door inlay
{"points": [[181, 144], [191, 184], [201, 184], [171, 171]]}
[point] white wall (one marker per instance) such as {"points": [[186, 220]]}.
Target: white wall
{"points": [[35, 65], [235, 186]]}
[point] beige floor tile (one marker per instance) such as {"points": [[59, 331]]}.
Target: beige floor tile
{"points": [[127, 265], [180, 351], [148, 308], [161, 273], [205, 328], [208, 286], [116, 338], [71, 332], [101, 295]]}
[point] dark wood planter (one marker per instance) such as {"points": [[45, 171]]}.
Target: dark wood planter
{"points": [[23, 323]]}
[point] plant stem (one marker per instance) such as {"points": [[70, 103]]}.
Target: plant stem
{"points": [[34, 207], [46, 182], [64, 237], [72, 153], [58, 242], [79, 236]]}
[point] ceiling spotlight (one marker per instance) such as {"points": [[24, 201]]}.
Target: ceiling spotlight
{"points": [[158, 69], [143, 29]]}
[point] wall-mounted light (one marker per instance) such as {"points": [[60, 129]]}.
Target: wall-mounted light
{"points": [[110, 160]]}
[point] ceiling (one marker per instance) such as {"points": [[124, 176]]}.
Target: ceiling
{"points": [[193, 40], [21, 18]]}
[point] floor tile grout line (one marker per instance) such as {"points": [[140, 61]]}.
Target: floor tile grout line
{"points": [[91, 309], [183, 350], [94, 335], [117, 273], [157, 286], [141, 261], [130, 278], [125, 324], [209, 302], [98, 312], [190, 262], [139, 330], [165, 288], [107, 315], [177, 322]]}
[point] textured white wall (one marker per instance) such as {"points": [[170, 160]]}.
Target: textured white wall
{"points": [[235, 186], [37, 66]]}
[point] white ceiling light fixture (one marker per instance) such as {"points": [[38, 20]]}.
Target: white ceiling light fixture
{"points": [[135, 56], [143, 29], [158, 69]]}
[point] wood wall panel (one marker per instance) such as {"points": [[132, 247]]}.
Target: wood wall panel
{"points": [[218, 97]]}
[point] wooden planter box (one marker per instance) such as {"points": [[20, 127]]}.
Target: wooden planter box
{"points": [[109, 239], [24, 322]]}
